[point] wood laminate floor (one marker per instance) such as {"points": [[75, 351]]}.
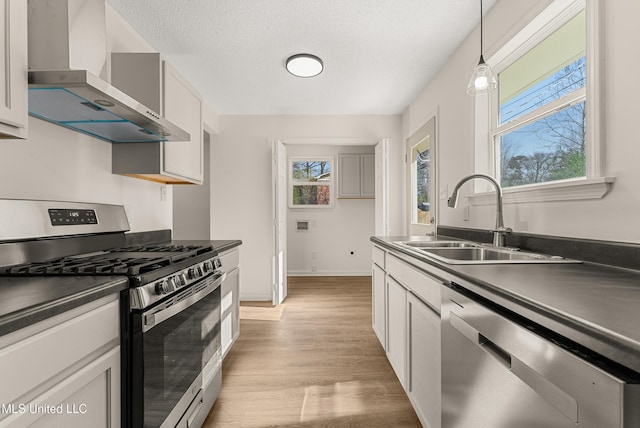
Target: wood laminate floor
{"points": [[319, 365]]}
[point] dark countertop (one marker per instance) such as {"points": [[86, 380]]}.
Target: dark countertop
{"points": [[164, 236], [220, 245], [594, 305], [28, 300]]}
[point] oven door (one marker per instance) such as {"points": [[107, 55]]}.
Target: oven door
{"points": [[173, 344]]}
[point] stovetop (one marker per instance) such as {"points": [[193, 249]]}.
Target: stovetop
{"points": [[131, 261]]}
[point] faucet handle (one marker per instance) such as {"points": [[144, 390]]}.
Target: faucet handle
{"points": [[503, 230]]}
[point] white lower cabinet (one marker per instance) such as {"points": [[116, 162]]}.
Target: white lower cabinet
{"points": [[379, 299], [411, 307], [230, 325], [396, 328], [423, 361], [64, 371]]}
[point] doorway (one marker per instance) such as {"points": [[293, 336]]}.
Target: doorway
{"points": [[308, 223], [421, 176]]}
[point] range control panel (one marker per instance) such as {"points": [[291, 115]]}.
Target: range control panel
{"points": [[67, 217]]}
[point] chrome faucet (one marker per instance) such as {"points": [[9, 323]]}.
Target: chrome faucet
{"points": [[500, 231]]}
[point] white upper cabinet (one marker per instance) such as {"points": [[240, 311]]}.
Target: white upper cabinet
{"points": [[13, 69], [183, 106], [158, 85], [356, 175]]}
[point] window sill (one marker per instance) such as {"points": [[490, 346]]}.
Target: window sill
{"points": [[567, 190]]}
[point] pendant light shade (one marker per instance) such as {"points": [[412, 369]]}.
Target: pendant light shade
{"points": [[482, 80]]}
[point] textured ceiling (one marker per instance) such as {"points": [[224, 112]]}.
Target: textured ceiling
{"points": [[378, 54]]}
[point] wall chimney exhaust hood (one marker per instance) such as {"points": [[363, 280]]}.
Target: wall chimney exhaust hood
{"points": [[67, 76]]}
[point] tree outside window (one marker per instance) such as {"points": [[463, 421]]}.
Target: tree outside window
{"points": [[311, 183]]}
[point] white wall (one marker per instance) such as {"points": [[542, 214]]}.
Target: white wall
{"points": [[241, 206], [325, 249], [613, 217], [57, 164]]}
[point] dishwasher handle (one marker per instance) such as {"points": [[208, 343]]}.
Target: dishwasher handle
{"points": [[541, 385]]}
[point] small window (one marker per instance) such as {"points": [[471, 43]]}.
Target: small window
{"points": [[311, 183]]}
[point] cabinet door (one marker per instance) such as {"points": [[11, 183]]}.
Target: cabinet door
{"points": [[183, 106], [13, 69], [368, 176], [424, 361], [90, 397], [349, 176], [396, 328], [378, 295], [230, 310]]}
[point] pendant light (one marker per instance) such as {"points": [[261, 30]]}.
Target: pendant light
{"points": [[482, 80]]}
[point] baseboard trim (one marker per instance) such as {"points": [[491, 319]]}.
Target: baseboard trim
{"points": [[255, 297], [328, 273]]}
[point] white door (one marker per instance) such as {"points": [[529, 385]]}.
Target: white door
{"points": [[421, 180], [381, 188], [279, 192]]}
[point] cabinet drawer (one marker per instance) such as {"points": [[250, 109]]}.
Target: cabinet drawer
{"points": [[230, 260], [419, 282], [28, 363], [379, 256]]}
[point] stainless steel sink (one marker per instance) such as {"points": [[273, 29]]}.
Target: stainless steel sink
{"points": [[439, 244], [468, 252]]}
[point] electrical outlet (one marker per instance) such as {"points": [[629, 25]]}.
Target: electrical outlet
{"points": [[466, 213], [163, 193], [444, 192], [314, 255]]}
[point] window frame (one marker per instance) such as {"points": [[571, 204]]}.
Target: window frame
{"points": [[595, 185], [330, 183]]}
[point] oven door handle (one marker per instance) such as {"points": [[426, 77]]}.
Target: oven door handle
{"points": [[166, 310]]}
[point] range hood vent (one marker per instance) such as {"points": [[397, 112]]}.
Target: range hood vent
{"points": [[78, 100], [67, 63]]}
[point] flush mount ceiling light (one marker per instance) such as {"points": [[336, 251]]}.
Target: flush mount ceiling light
{"points": [[482, 80], [304, 65]]}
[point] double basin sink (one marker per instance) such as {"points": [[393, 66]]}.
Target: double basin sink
{"points": [[469, 252]]}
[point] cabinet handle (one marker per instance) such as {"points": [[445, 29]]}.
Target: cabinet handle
{"points": [[500, 354]]}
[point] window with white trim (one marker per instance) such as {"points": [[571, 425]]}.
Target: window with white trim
{"points": [[541, 128], [311, 182]]}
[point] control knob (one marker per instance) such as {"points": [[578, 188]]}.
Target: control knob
{"points": [[163, 287], [181, 280]]}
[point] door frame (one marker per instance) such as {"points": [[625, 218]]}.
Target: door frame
{"points": [[279, 218], [280, 205]]}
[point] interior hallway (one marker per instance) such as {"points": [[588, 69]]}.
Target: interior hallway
{"points": [[319, 365]]}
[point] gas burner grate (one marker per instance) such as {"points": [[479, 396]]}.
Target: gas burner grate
{"points": [[167, 248], [90, 266]]}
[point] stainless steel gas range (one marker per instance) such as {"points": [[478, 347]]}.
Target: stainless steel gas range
{"points": [[170, 315]]}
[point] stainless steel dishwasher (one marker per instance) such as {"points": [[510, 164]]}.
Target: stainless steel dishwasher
{"points": [[499, 371]]}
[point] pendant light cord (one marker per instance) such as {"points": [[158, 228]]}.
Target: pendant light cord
{"points": [[481, 36]]}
